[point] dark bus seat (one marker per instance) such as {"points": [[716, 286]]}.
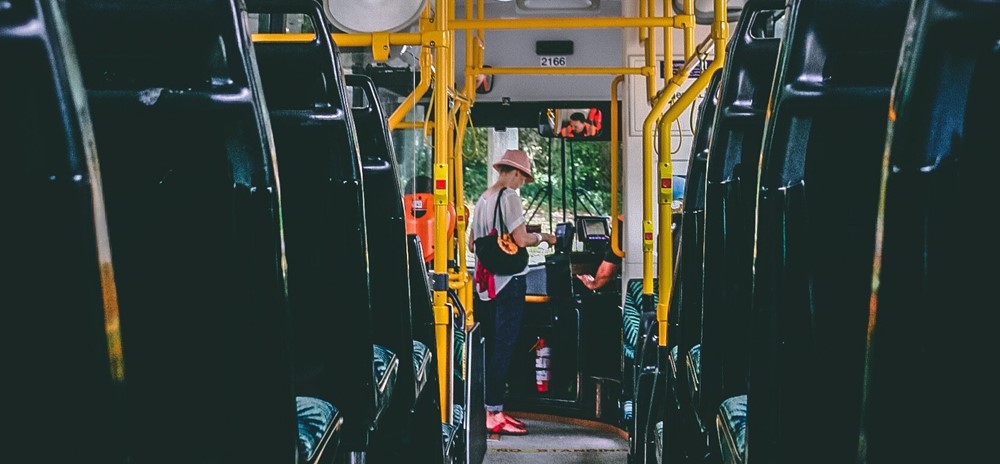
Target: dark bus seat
{"points": [[423, 327], [938, 243], [686, 300], [730, 206], [687, 297], [816, 223], [389, 261], [63, 396], [387, 249], [464, 439], [338, 356], [640, 350], [190, 192]]}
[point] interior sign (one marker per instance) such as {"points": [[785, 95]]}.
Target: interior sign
{"points": [[553, 61]]}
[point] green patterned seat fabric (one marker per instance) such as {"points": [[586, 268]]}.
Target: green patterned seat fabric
{"points": [[694, 366], [421, 360], [659, 442], [459, 353], [673, 373], [382, 358], [315, 418], [449, 431], [385, 364], [631, 315], [732, 429]]}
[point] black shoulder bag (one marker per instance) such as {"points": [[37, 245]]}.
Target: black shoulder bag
{"points": [[498, 252]]}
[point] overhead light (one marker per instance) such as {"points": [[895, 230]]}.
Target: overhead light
{"points": [[357, 17]]}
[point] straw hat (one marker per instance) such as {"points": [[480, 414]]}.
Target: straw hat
{"points": [[516, 159]]}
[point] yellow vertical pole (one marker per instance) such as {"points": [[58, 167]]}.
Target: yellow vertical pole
{"points": [[720, 32], [469, 90], [443, 326], [643, 32], [650, 49], [664, 260], [689, 30]]}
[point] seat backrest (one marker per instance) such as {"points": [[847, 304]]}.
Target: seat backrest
{"points": [[189, 186], [388, 255], [421, 295], [62, 349], [685, 300], [323, 219], [816, 228], [730, 194], [931, 341]]}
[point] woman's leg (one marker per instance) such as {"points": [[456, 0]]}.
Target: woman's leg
{"points": [[509, 310]]}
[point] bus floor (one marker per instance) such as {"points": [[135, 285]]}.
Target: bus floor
{"points": [[558, 440]]}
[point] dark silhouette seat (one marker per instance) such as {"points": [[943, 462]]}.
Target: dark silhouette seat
{"points": [[338, 354], [717, 364], [192, 210], [938, 243], [387, 237], [390, 271], [816, 223], [448, 434], [685, 300], [62, 348]]}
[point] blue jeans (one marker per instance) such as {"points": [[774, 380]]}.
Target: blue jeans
{"points": [[507, 312]]}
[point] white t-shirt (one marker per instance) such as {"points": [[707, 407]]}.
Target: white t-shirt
{"points": [[482, 224]]}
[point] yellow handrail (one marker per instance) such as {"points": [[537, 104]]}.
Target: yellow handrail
{"points": [[615, 225], [717, 39], [561, 23], [418, 92], [566, 70]]}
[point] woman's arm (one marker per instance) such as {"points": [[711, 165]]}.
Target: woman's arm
{"points": [[523, 238]]}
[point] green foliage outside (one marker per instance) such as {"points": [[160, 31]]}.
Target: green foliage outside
{"points": [[587, 172]]}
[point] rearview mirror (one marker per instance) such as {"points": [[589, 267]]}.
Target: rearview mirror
{"points": [[571, 123]]}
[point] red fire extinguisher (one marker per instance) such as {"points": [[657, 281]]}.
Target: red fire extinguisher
{"points": [[542, 365]]}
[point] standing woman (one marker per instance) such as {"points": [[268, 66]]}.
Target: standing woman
{"points": [[504, 294]]}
